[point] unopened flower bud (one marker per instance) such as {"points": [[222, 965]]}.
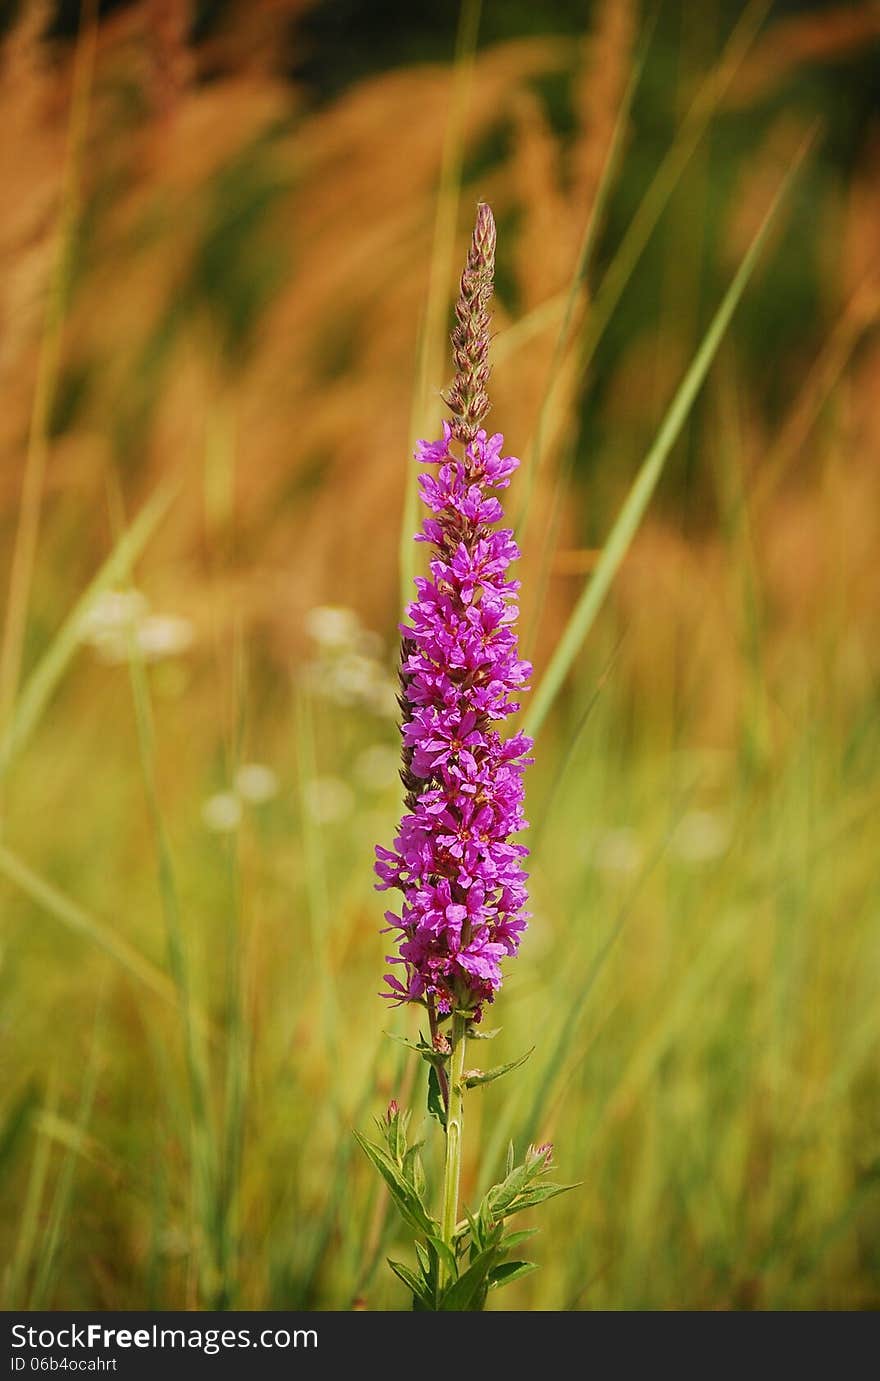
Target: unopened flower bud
{"points": [[543, 1152]]}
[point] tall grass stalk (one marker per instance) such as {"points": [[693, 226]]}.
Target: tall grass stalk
{"points": [[20, 1269], [617, 275], [320, 919], [27, 532], [36, 695], [859, 315], [203, 1153], [665, 180], [237, 1044], [51, 1238], [70, 914], [529, 1126], [626, 525], [564, 336]]}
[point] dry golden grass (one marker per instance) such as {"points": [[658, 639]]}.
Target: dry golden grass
{"points": [[799, 40], [297, 448]]}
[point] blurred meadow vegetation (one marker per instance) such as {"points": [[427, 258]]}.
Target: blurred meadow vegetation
{"points": [[229, 249]]}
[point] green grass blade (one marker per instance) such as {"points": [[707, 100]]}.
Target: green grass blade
{"points": [[48, 370], [20, 1269], [77, 919], [50, 1239], [318, 906], [633, 510], [651, 207], [667, 177], [529, 1126], [578, 280], [203, 1144], [46, 676], [16, 1122], [237, 1045]]}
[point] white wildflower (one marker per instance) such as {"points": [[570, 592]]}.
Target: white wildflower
{"points": [[352, 678], [111, 619], [113, 611], [222, 812], [700, 836], [164, 635], [333, 626], [256, 783], [118, 620]]}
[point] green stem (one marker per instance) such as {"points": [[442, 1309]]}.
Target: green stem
{"points": [[454, 1116], [442, 1077]]}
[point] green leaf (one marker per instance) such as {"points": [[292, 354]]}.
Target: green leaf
{"points": [[428, 1263], [16, 1122], [508, 1271], [511, 1158], [403, 1193], [492, 1231], [412, 1169], [500, 1196], [411, 1281], [475, 1229], [418, 1046], [511, 1240], [436, 1106], [537, 1195], [446, 1254], [474, 1078], [627, 522], [468, 1292], [421, 1047]]}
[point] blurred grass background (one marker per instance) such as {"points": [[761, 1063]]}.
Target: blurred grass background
{"points": [[229, 251]]}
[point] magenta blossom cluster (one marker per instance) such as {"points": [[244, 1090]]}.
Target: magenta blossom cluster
{"points": [[464, 892]]}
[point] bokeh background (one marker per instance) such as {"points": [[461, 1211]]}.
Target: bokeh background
{"points": [[229, 247]]}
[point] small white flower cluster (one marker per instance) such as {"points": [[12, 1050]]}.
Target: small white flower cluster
{"points": [[119, 619], [254, 785], [349, 662]]}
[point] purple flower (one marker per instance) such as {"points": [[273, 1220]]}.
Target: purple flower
{"points": [[464, 893], [460, 875]]}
